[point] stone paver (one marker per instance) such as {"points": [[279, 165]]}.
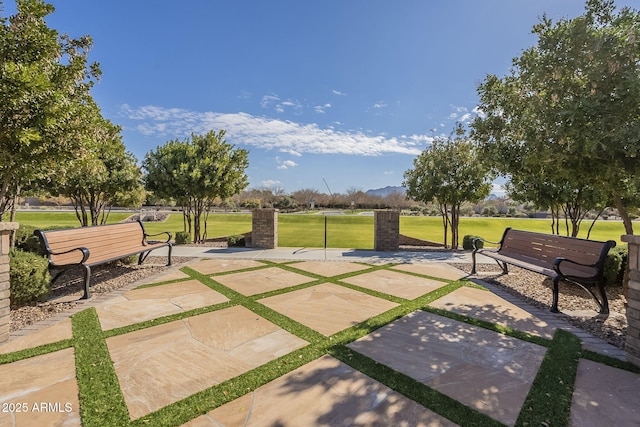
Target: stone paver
{"points": [[144, 304], [169, 276], [329, 269], [184, 357], [605, 396], [57, 332], [489, 372], [324, 392], [394, 283], [433, 269], [42, 390], [211, 266], [263, 280], [484, 305], [328, 308]]}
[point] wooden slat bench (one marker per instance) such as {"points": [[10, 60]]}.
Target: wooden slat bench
{"points": [[99, 244], [579, 261]]}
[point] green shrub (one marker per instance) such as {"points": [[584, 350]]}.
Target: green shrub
{"points": [[129, 260], [183, 238], [26, 241], [467, 242], [29, 277], [615, 265], [236, 240]]}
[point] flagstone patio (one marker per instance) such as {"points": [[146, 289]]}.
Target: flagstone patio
{"points": [[159, 367]]}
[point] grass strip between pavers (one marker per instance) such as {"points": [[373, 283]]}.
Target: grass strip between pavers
{"points": [[549, 400], [101, 399], [35, 351]]}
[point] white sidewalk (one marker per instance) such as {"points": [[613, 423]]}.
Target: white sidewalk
{"points": [[321, 254]]}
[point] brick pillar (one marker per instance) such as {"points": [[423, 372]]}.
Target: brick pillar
{"points": [[632, 345], [386, 230], [264, 228], [5, 232]]}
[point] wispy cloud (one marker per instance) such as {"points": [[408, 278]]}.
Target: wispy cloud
{"points": [[273, 101], [267, 133], [285, 164], [337, 92], [270, 183], [463, 115], [380, 104], [322, 108]]}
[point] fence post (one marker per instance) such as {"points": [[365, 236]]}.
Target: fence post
{"points": [[5, 319]]}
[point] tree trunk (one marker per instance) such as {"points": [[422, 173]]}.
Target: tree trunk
{"points": [[445, 222], [455, 223]]}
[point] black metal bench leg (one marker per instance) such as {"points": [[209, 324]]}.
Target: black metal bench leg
{"points": [[87, 278], [169, 256], [556, 294], [604, 305], [503, 265], [473, 257]]}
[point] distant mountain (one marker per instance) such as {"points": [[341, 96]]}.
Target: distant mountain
{"points": [[383, 192]]}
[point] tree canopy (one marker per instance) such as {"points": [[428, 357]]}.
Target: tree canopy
{"points": [[44, 81], [449, 173], [195, 172], [568, 114], [104, 176]]}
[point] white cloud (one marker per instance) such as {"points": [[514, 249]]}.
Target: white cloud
{"points": [[269, 183], [322, 108], [498, 190], [267, 133], [285, 164], [337, 92], [380, 104], [275, 102]]}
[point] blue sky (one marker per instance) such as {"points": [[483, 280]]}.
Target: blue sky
{"points": [[346, 90]]}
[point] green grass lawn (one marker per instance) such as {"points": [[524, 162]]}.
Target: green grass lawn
{"points": [[342, 231]]}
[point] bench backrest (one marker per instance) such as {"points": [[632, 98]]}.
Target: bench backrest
{"points": [[542, 249], [105, 242]]}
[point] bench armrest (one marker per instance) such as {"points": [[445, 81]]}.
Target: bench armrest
{"points": [[168, 233], [480, 239], [560, 260], [85, 255]]}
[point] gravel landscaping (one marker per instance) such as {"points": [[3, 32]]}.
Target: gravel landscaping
{"points": [[577, 306]]}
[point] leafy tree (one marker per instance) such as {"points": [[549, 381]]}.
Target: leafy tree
{"points": [[570, 108], [449, 173], [195, 172], [44, 81], [104, 176]]}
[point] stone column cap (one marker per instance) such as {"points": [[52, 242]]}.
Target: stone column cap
{"points": [[630, 238], [8, 226]]}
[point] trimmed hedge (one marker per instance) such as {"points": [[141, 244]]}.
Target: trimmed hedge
{"points": [[29, 278], [236, 240], [183, 238], [467, 242], [615, 265]]}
